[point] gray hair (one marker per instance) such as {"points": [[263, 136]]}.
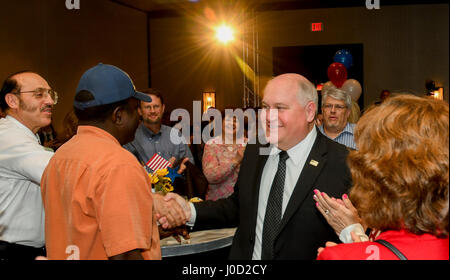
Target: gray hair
{"points": [[339, 95], [307, 92]]}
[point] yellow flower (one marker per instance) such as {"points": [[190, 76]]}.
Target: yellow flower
{"points": [[168, 188], [162, 172], [160, 182], [155, 179]]}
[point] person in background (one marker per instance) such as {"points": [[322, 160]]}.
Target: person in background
{"points": [[48, 137], [69, 129], [198, 149], [27, 100], [336, 109], [70, 126], [383, 96], [400, 182], [97, 197], [154, 137], [319, 120], [222, 159]]}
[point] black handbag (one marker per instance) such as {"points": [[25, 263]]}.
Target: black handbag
{"points": [[392, 248]]}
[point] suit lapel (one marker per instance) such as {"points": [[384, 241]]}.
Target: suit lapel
{"points": [[261, 162], [313, 166]]}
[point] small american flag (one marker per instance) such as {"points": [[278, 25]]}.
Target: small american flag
{"points": [[157, 162]]}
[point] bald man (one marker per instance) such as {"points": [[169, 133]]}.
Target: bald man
{"points": [[27, 100], [272, 204]]}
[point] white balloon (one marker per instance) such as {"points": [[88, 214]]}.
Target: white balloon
{"points": [[327, 86], [353, 88]]}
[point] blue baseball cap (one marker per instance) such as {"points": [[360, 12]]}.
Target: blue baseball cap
{"points": [[108, 84]]}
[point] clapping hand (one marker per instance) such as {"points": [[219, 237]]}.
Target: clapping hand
{"points": [[182, 164], [338, 213]]}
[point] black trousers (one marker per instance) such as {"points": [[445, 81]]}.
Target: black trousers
{"points": [[15, 252]]}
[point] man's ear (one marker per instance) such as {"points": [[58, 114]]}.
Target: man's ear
{"points": [[12, 100], [163, 108], [117, 115], [310, 111]]}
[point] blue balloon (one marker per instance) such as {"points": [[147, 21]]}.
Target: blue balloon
{"points": [[344, 57]]}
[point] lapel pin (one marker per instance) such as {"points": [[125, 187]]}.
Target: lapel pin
{"points": [[314, 163]]}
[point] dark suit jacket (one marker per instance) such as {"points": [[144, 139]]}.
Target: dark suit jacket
{"points": [[303, 229]]}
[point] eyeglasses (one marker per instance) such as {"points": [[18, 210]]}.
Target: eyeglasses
{"points": [[41, 93], [336, 106]]}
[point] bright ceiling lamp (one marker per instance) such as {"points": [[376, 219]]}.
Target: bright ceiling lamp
{"points": [[224, 33]]}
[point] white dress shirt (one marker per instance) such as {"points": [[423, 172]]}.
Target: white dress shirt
{"points": [[22, 162], [294, 166]]}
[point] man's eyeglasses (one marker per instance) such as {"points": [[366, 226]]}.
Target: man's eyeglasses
{"points": [[336, 106], [41, 93]]}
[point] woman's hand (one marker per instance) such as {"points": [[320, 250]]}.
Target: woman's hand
{"points": [[338, 213]]}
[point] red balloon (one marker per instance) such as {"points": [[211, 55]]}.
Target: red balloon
{"points": [[337, 73]]}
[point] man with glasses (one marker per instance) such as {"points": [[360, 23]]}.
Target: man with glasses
{"points": [[27, 100], [336, 108]]}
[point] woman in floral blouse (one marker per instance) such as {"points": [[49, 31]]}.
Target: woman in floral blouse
{"points": [[221, 161]]}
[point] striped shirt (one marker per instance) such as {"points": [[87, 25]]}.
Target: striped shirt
{"points": [[345, 137]]}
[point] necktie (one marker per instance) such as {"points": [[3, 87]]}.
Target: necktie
{"points": [[272, 217]]}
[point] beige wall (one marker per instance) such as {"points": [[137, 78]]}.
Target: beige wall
{"points": [[403, 46], [43, 36], [185, 62]]}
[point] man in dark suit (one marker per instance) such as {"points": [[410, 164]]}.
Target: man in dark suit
{"points": [[273, 206]]}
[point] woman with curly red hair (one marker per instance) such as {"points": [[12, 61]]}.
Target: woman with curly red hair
{"points": [[400, 181]]}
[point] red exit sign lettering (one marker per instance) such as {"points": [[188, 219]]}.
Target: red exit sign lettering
{"points": [[316, 26]]}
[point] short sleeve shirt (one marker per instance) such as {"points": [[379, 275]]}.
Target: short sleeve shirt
{"points": [[98, 201]]}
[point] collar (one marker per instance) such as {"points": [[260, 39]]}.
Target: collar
{"points": [[299, 151], [349, 128], [148, 133], [89, 130], [22, 126]]}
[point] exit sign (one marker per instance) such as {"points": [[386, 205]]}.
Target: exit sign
{"points": [[316, 26]]}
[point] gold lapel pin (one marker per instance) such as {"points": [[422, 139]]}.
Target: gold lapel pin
{"points": [[314, 163]]}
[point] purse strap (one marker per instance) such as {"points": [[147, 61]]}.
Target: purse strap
{"points": [[392, 248]]}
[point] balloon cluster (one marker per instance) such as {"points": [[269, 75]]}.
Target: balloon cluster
{"points": [[337, 75]]}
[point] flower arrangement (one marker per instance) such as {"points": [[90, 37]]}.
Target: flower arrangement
{"points": [[161, 182]]}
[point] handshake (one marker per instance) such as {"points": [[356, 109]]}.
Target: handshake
{"points": [[172, 211]]}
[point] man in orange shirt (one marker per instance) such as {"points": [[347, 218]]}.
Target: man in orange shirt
{"points": [[97, 197]]}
